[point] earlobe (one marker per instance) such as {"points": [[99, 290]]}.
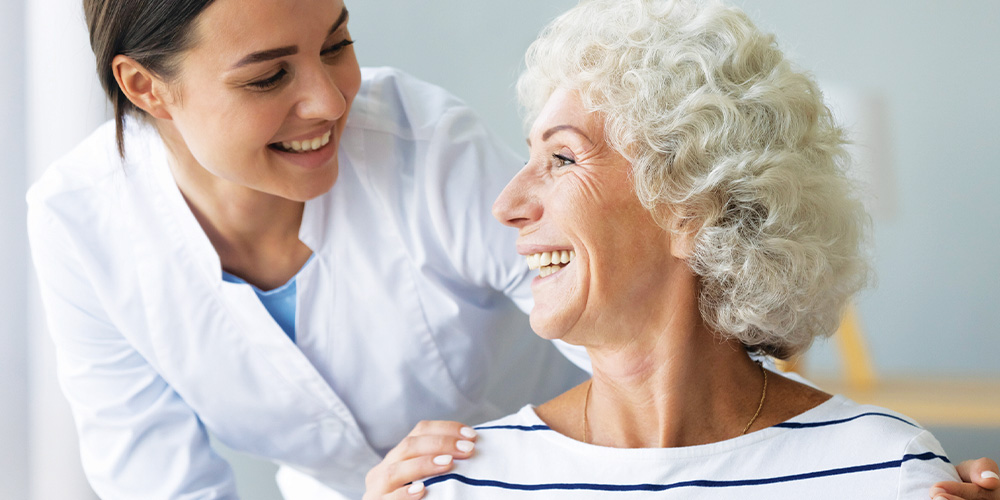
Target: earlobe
{"points": [[140, 86], [682, 237]]}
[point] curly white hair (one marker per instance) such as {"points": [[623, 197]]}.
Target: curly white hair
{"points": [[729, 143]]}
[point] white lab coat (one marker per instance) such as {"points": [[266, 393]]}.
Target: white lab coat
{"points": [[405, 312]]}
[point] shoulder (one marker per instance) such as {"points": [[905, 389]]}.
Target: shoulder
{"points": [[86, 165], [842, 415], [92, 170]]}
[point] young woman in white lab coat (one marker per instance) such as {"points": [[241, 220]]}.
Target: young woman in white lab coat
{"points": [[274, 247], [392, 295]]}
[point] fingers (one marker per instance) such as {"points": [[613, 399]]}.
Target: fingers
{"points": [[945, 496], [403, 479], [408, 492], [429, 450], [434, 438], [983, 472], [951, 490]]}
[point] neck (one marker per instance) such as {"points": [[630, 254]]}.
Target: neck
{"points": [[674, 384], [254, 233]]}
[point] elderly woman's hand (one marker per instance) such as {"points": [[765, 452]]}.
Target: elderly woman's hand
{"points": [[428, 450], [982, 482]]}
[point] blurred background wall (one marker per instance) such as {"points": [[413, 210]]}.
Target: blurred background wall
{"points": [[929, 67]]}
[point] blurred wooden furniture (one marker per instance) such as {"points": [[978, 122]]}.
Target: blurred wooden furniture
{"points": [[946, 402]]}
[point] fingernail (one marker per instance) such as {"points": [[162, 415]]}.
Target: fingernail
{"points": [[939, 498], [465, 446], [987, 474], [468, 432], [416, 487], [937, 491], [442, 460]]}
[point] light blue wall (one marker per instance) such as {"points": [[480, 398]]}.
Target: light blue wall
{"points": [[937, 306], [13, 259]]}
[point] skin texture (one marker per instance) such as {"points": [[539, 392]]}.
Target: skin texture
{"points": [[219, 124], [650, 383], [629, 297]]}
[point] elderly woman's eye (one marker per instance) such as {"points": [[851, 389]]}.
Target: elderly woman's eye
{"points": [[563, 161]]}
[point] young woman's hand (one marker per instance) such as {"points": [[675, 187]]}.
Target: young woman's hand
{"points": [[428, 450], [982, 482]]}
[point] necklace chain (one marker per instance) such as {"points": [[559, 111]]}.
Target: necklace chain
{"points": [[760, 406], [763, 394]]}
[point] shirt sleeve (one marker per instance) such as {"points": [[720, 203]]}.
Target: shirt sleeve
{"points": [[138, 439], [924, 463]]}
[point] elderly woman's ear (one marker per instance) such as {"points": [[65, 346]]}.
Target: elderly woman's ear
{"points": [[681, 231], [682, 243]]}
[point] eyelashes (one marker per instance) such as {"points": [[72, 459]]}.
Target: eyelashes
{"points": [[270, 82], [336, 48], [275, 79], [563, 161]]}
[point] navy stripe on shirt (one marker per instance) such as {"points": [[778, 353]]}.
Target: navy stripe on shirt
{"points": [[702, 483], [785, 425], [804, 425]]}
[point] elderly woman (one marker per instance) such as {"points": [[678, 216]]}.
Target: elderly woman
{"points": [[687, 207]]}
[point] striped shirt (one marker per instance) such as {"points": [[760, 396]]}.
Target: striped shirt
{"points": [[836, 450]]}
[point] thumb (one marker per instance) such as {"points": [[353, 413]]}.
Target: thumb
{"points": [[983, 472]]}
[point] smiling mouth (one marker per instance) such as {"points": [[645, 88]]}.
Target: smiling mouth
{"points": [[549, 263], [305, 146]]}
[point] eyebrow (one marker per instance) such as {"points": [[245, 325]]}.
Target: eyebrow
{"points": [[270, 54], [559, 128]]}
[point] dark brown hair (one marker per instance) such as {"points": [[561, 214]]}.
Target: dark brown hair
{"points": [[152, 32]]}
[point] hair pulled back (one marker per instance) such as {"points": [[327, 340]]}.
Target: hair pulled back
{"points": [[151, 32]]}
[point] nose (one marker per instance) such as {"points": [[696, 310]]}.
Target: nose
{"points": [[322, 98], [518, 205]]}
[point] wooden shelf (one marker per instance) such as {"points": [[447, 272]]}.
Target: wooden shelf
{"points": [[937, 402]]}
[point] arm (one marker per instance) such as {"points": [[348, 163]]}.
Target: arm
{"points": [[138, 439]]}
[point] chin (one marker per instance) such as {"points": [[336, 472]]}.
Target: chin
{"points": [[549, 328], [314, 187]]}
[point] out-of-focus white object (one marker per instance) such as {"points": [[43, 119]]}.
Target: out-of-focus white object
{"points": [[864, 113], [64, 104]]}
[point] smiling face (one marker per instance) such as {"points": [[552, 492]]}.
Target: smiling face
{"points": [[262, 97], [575, 196]]}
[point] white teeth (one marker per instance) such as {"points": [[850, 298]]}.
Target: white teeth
{"points": [[549, 262], [308, 144]]}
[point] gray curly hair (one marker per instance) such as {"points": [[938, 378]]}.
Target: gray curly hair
{"points": [[728, 143]]}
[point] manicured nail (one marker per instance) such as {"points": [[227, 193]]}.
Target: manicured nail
{"points": [[987, 474], [415, 488], [468, 432], [442, 460], [465, 446], [937, 491]]}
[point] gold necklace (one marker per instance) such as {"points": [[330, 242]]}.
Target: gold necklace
{"points": [[760, 406], [763, 394]]}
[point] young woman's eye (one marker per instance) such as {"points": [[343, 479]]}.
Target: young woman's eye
{"points": [[269, 82], [563, 161], [336, 48]]}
